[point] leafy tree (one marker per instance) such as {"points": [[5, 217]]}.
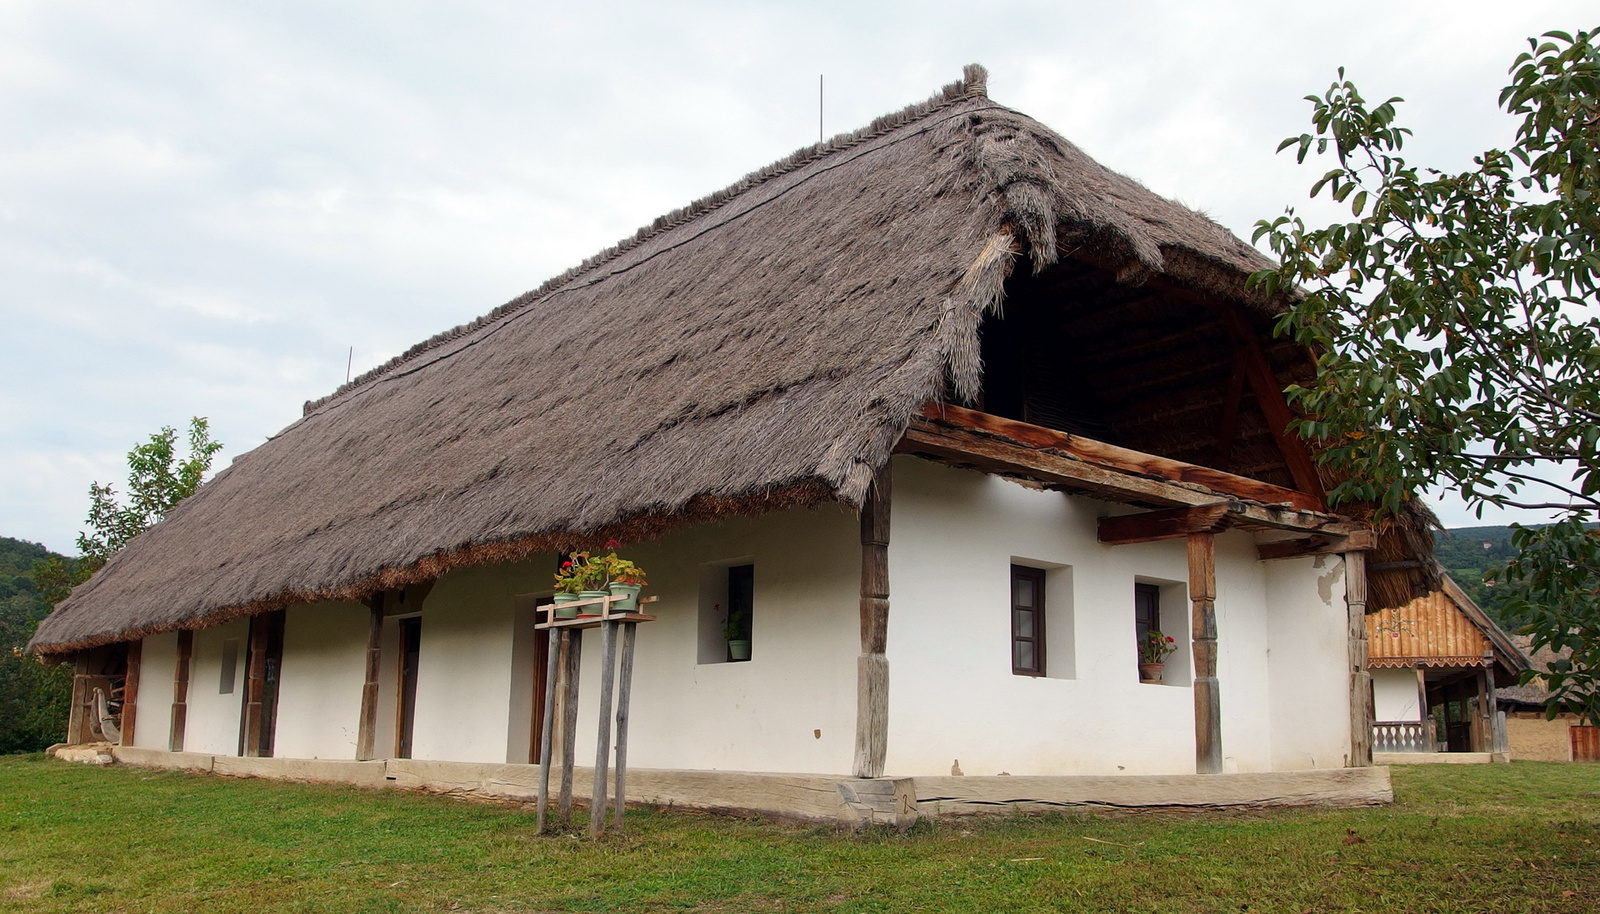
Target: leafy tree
{"points": [[1455, 321], [157, 481], [33, 697]]}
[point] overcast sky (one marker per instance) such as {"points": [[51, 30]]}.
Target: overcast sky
{"points": [[204, 206]]}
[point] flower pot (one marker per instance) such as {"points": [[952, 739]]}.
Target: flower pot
{"points": [[630, 597], [566, 612], [739, 649], [593, 609], [1150, 672]]}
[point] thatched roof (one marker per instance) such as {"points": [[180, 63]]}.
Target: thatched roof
{"points": [[764, 347]]}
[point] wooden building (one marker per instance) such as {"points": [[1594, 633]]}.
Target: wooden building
{"points": [[1435, 664], [947, 363]]}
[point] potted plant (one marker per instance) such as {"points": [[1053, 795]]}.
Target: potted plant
{"points": [[625, 580], [1154, 648], [568, 585], [736, 633]]}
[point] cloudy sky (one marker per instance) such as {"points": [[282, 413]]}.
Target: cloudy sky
{"points": [[205, 206]]}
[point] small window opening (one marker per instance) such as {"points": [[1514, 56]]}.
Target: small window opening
{"points": [[1027, 621], [727, 612]]}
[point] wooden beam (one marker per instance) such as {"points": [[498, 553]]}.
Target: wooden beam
{"points": [[1168, 524], [130, 691], [180, 692], [1357, 541], [79, 731], [1119, 459], [965, 447], [1203, 625], [255, 688], [872, 667], [1361, 710], [367, 728]]}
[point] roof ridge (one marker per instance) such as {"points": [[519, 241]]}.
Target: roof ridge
{"points": [[972, 84]]}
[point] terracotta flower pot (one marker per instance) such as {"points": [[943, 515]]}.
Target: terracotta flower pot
{"points": [[1151, 672]]}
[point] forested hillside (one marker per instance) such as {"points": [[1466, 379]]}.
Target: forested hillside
{"points": [[33, 698]]}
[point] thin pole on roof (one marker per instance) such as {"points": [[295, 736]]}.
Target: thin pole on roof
{"points": [[819, 107], [349, 362]]}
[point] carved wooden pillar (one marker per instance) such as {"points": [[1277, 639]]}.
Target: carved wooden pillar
{"points": [[130, 692], [367, 732], [180, 691], [1203, 624], [872, 667], [1361, 713]]}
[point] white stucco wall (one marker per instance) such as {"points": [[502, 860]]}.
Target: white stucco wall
{"points": [[319, 686], [212, 725], [953, 696], [1308, 682], [464, 671], [158, 661], [1394, 695]]}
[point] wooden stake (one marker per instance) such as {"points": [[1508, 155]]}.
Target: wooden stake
{"points": [[872, 667], [602, 743], [1203, 623], [130, 692], [1361, 713], [1422, 710], [255, 687], [367, 732], [630, 631], [548, 725], [180, 691], [573, 643]]}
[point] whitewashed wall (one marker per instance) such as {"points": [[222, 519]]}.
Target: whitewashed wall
{"points": [[1394, 695], [319, 686], [1308, 681], [953, 697], [158, 663], [212, 725]]}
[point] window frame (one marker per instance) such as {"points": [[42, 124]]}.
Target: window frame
{"points": [[1038, 638]]}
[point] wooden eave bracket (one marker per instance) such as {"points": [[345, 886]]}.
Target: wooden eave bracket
{"points": [[1171, 524], [968, 438], [1319, 544]]}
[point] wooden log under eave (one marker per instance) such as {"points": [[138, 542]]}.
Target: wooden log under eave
{"points": [[130, 691], [1361, 711], [367, 732], [180, 692], [255, 687], [872, 666], [1203, 626]]}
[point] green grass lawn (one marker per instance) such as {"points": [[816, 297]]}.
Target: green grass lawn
{"points": [[1520, 837]]}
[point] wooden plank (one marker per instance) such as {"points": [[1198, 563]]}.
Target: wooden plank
{"points": [[630, 632], [1203, 626], [130, 692], [367, 728], [1168, 524], [255, 687], [78, 729], [961, 447], [872, 667], [180, 691], [602, 742], [573, 661], [547, 726], [1119, 459], [1320, 544], [991, 795], [1361, 710], [1422, 711]]}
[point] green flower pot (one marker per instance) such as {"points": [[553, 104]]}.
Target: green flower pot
{"points": [[739, 649], [630, 597], [563, 611], [593, 609]]}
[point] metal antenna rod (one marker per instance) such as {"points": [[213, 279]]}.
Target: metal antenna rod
{"points": [[819, 107], [349, 362]]}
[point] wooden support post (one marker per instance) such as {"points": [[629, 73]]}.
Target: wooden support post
{"points": [[1422, 710], [79, 730], [367, 732], [602, 742], [180, 692], [1497, 742], [872, 667], [130, 691], [630, 631], [1361, 713], [1203, 625], [548, 725], [572, 646], [255, 688]]}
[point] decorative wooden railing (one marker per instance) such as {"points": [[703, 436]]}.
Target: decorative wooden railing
{"points": [[1400, 736]]}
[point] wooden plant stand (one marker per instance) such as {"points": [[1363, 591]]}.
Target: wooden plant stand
{"points": [[565, 653]]}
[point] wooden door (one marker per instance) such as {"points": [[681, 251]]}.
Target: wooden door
{"points": [[410, 653]]}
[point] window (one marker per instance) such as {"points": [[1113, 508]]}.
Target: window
{"points": [[1146, 611], [1027, 621], [727, 611]]}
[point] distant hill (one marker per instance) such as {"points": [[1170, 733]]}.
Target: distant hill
{"points": [[33, 698]]}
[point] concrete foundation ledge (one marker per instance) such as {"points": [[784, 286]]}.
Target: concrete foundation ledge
{"points": [[1438, 758], [817, 798], [947, 796]]}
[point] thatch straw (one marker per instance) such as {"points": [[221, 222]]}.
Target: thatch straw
{"points": [[761, 348]]}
